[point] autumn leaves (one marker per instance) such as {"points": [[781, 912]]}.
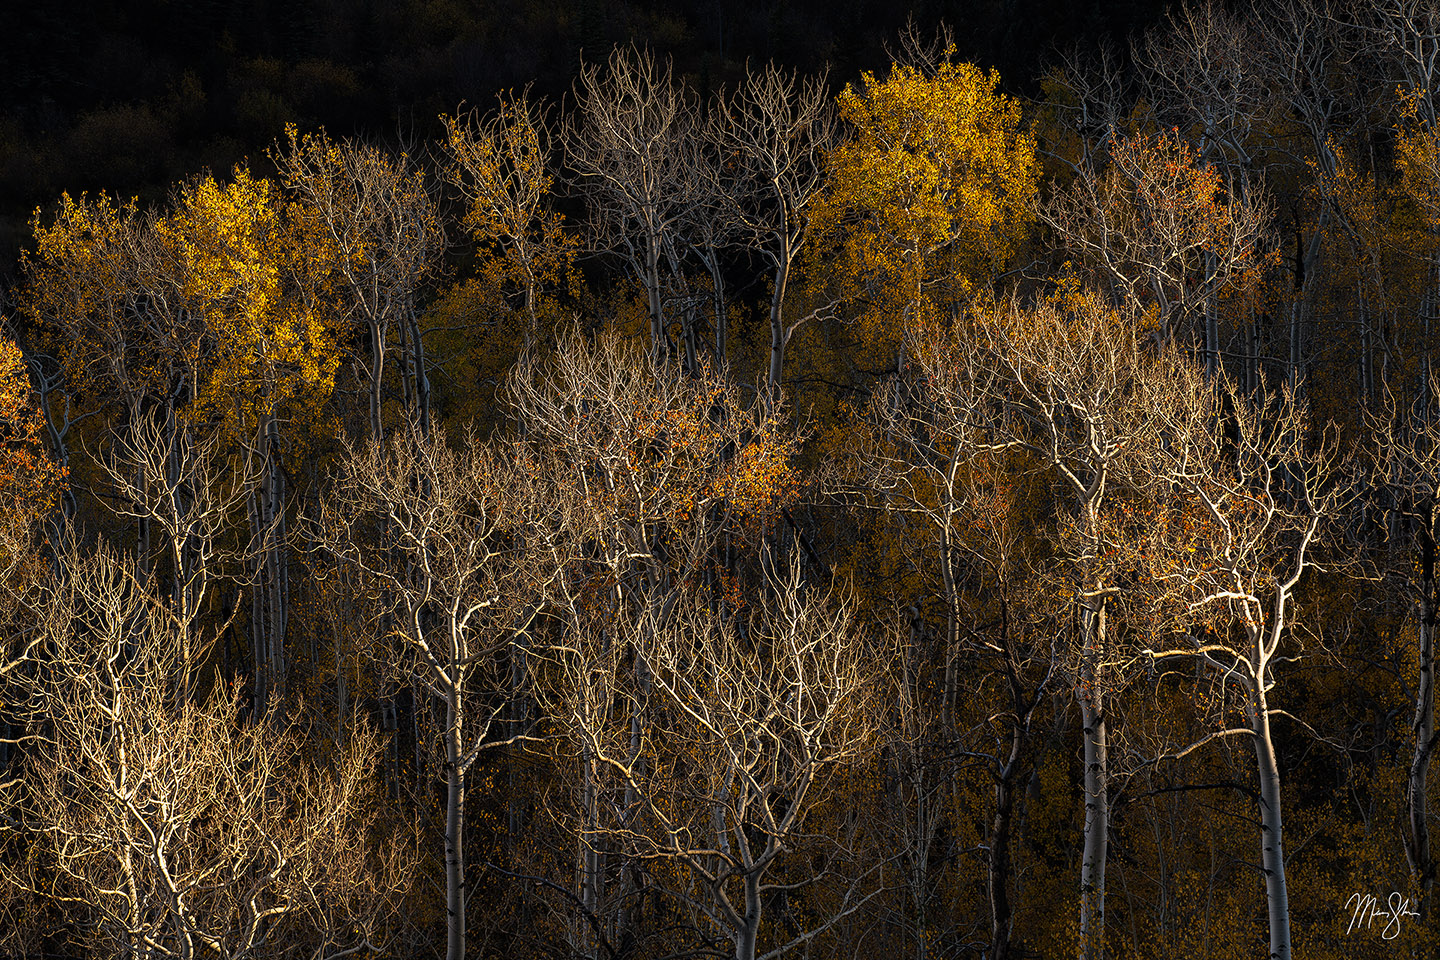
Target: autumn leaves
{"points": [[740, 518]]}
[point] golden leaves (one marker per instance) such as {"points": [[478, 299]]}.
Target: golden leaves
{"points": [[937, 161], [29, 477], [252, 271]]}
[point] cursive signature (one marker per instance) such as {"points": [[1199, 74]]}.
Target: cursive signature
{"points": [[1368, 909]]}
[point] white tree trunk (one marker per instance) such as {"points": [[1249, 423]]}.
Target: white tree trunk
{"points": [[1272, 847], [1097, 801], [777, 326], [748, 935], [454, 830]]}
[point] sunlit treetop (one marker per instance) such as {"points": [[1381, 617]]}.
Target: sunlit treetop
{"points": [[105, 279], [938, 163], [255, 273]]}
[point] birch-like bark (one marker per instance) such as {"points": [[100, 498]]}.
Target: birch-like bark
{"points": [[1272, 848], [454, 827], [1097, 801]]}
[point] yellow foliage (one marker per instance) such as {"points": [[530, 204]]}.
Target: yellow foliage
{"points": [[29, 477], [931, 194], [256, 277]]}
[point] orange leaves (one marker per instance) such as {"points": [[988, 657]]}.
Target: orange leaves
{"points": [[638, 447], [1162, 229], [29, 478]]}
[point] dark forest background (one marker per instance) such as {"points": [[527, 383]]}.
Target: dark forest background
{"points": [[131, 97]]}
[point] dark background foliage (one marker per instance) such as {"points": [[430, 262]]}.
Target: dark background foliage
{"points": [[132, 96]]}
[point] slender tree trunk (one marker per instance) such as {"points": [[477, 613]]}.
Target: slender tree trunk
{"points": [[748, 935], [919, 843], [1212, 324], [1252, 355], [1097, 802], [342, 689], [777, 325], [722, 310], [422, 377], [277, 586], [659, 339], [1417, 795], [691, 316], [520, 721], [1366, 372], [260, 698], [454, 829], [377, 376], [1301, 309], [1272, 849], [592, 877], [999, 867]]}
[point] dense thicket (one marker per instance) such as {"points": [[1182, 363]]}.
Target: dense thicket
{"points": [[745, 520]]}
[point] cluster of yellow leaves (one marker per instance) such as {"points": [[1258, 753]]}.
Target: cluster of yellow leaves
{"points": [[29, 478], [255, 275], [98, 276], [938, 164], [228, 291]]}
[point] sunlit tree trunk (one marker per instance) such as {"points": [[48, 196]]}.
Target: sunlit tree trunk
{"points": [[1097, 802], [454, 828], [1272, 848]]}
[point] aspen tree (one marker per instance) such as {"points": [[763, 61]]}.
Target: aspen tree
{"points": [[938, 454], [778, 128], [632, 142], [640, 475], [251, 281], [502, 165], [754, 720], [930, 194], [383, 240], [1069, 371], [1263, 488], [430, 532], [169, 826]]}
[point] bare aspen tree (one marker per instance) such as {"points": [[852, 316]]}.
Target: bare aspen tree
{"points": [[1163, 233], [711, 227], [1407, 461], [1068, 378], [167, 826], [428, 530], [631, 142], [376, 215], [1259, 486], [639, 475], [753, 720], [1199, 69], [936, 461], [1090, 101], [779, 127], [190, 493]]}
